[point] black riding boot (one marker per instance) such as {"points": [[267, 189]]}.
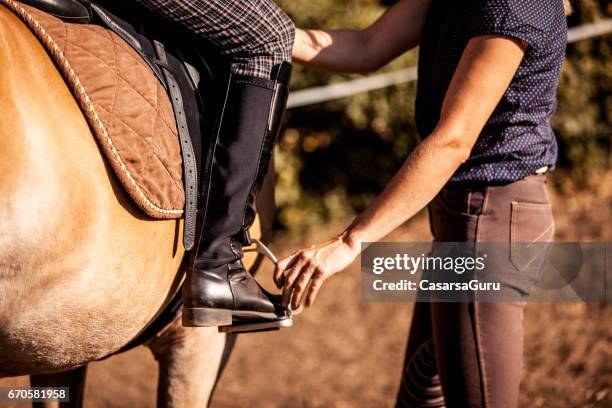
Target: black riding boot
{"points": [[219, 290]]}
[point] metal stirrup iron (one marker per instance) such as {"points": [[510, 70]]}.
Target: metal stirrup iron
{"points": [[259, 247]]}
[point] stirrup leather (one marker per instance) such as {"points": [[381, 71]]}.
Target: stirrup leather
{"points": [[260, 248]]}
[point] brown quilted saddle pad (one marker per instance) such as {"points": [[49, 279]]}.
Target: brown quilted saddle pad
{"points": [[125, 105]]}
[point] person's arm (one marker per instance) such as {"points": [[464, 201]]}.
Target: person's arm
{"points": [[396, 31], [481, 78]]}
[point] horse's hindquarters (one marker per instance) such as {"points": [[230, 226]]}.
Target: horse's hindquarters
{"points": [[81, 269]]}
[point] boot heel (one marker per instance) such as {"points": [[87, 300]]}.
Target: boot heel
{"points": [[206, 317]]}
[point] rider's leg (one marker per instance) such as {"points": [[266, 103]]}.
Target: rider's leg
{"points": [[257, 36], [218, 288]]}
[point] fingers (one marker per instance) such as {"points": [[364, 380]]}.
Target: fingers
{"points": [[300, 285], [278, 276], [290, 274], [281, 267], [291, 277], [315, 285], [300, 278]]}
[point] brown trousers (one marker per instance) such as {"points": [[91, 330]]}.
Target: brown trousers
{"points": [[470, 354]]}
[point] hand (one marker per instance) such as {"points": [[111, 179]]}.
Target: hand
{"points": [[309, 268]]}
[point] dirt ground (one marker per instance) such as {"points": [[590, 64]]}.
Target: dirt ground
{"points": [[348, 353]]}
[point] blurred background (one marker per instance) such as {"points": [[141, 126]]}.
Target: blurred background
{"points": [[322, 156], [331, 160]]}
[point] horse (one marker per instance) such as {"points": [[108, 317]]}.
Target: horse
{"points": [[82, 270]]}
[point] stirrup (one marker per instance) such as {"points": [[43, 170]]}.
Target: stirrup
{"points": [[261, 249], [262, 325], [256, 326]]}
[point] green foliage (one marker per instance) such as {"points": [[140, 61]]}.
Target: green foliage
{"points": [[584, 115], [335, 157]]}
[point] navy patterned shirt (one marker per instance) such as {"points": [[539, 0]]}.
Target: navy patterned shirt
{"points": [[517, 140]]}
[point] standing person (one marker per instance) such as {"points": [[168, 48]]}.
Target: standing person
{"points": [[488, 73], [257, 37]]}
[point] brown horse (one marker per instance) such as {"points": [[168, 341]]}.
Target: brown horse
{"points": [[82, 270]]}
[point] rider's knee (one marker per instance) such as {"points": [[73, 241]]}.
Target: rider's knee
{"points": [[275, 35], [283, 43]]}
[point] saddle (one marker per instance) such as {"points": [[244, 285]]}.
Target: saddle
{"points": [[148, 91]]}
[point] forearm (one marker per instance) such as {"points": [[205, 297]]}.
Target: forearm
{"points": [[484, 72], [423, 174], [332, 50], [396, 31], [421, 177], [478, 83]]}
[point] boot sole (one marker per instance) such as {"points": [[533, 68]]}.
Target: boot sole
{"points": [[210, 317]]}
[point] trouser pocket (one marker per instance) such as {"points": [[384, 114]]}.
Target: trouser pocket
{"points": [[531, 234]]}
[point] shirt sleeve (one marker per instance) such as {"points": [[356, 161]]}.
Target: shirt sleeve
{"points": [[528, 21]]}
